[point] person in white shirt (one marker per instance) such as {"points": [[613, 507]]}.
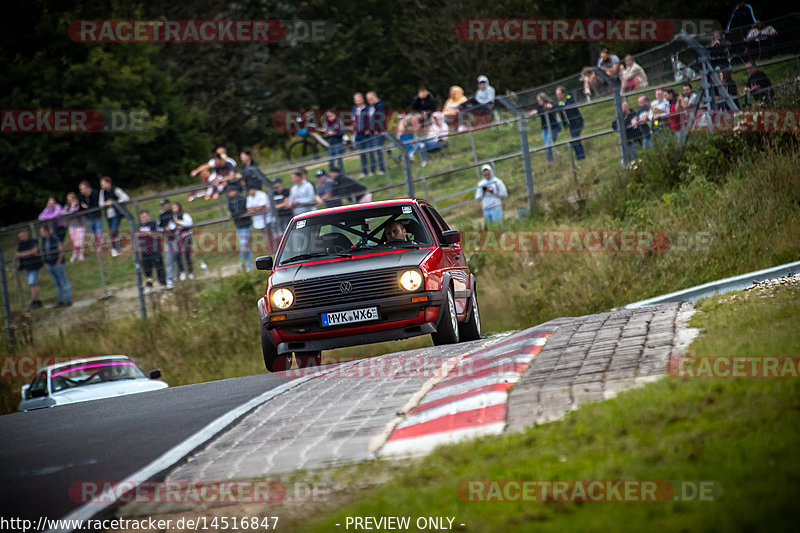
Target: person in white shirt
{"points": [[491, 191], [302, 197], [436, 137], [109, 193], [258, 204], [659, 109]]}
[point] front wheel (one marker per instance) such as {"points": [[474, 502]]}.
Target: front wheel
{"points": [[447, 332], [471, 329], [273, 361], [300, 149]]}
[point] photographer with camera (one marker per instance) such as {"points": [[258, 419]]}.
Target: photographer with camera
{"points": [[491, 191]]}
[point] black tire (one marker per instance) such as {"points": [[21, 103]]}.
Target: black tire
{"points": [[471, 329], [447, 332], [272, 361], [300, 149], [308, 359]]}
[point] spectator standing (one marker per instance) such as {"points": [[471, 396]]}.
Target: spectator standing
{"points": [[182, 223], [633, 76], [334, 134], [719, 49], [280, 195], [632, 132], [237, 207], [730, 87], [325, 190], [642, 121], [674, 116], [258, 205], [76, 226], [359, 118], [30, 262], [302, 197], [550, 127], [571, 116], [491, 191], [251, 174], [376, 127], [148, 243], [758, 85], [435, 139], [451, 106], [53, 215], [687, 102], [346, 187], [90, 202], [109, 193], [53, 256], [659, 109], [170, 242], [609, 63]]}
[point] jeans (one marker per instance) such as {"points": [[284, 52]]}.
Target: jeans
{"points": [[76, 237], [59, 275], [362, 143], [152, 262], [245, 254], [376, 141], [32, 277], [577, 145], [96, 229], [424, 146], [335, 149], [631, 150], [113, 228], [172, 256], [493, 214], [648, 141], [549, 137]]}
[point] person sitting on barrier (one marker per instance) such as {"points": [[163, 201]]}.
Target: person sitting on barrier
{"points": [[54, 216], [207, 173], [422, 106], [482, 103], [450, 109], [490, 191], [633, 76], [610, 64], [436, 138]]}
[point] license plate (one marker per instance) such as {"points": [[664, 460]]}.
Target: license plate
{"points": [[348, 317]]}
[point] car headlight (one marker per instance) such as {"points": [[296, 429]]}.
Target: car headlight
{"points": [[282, 298], [410, 280]]}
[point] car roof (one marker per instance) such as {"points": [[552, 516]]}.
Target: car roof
{"points": [[355, 207], [73, 362]]}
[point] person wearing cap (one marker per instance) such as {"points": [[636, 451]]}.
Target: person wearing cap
{"points": [[302, 197], [170, 241], [346, 187], [237, 206], [482, 102], [325, 190], [491, 191]]}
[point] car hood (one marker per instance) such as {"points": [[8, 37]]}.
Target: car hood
{"points": [[405, 259], [108, 390]]}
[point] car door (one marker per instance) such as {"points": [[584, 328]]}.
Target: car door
{"points": [[38, 394], [454, 259]]}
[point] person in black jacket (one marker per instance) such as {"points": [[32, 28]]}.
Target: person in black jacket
{"points": [[30, 262], [375, 125], [148, 244], [237, 205], [422, 107], [89, 200], [53, 256], [632, 131], [252, 175], [345, 187], [571, 116]]}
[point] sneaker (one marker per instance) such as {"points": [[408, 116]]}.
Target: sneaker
{"points": [[68, 304], [381, 173], [424, 162], [36, 304], [72, 259], [148, 290], [169, 286], [114, 253], [191, 276], [182, 277]]}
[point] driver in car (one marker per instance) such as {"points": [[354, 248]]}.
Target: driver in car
{"points": [[396, 232]]}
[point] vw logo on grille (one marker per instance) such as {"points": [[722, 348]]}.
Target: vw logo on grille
{"points": [[345, 287]]}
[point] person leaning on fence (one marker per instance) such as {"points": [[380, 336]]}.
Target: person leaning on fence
{"points": [[148, 244], [302, 196], [53, 257], [170, 242], [53, 215], [632, 76], [571, 116], [730, 87], [325, 190], [550, 125], [643, 121], [490, 191], [346, 187], [759, 86], [30, 261], [720, 50], [237, 207], [280, 195], [109, 193], [435, 139], [251, 174], [258, 205], [632, 131], [182, 223], [90, 201], [76, 226], [659, 109]]}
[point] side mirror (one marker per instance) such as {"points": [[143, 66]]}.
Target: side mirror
{"points": [[37, 393], [264, 262], [452, 236], [155, 374], [25, 391]]}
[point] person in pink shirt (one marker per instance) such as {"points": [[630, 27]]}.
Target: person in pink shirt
{"points": [[77, 226], [55, 219]]}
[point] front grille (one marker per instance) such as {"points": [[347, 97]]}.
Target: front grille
{"points": [[365, 286]]}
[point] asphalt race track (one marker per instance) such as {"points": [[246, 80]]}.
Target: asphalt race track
{"points": [[44, 452]]}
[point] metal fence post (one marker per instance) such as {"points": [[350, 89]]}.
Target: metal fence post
{"points": [[623, 135], [522, 126], [9, 319], [136, 263], [406, 163]]}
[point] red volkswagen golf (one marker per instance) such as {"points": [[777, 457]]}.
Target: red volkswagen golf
{"points": [[365, 273]]}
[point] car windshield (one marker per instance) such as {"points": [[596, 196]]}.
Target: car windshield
{"points": [[93, 372], [353, 232]]}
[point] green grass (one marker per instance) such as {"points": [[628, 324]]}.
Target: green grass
{"points": [[739, 434]]}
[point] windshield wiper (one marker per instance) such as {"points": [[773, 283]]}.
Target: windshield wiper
{"points": [[302, 257]]}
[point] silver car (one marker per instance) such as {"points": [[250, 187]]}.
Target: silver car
{"points": [[81, 380]]}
